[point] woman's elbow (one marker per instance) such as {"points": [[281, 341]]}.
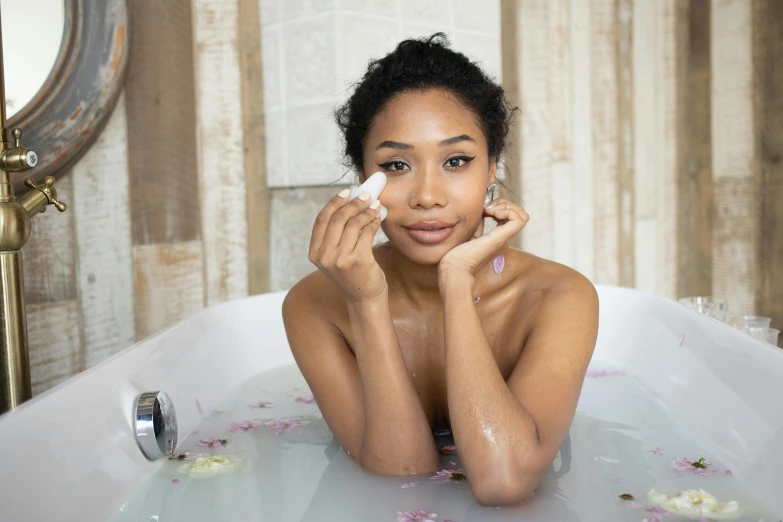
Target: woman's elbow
{"points": [[499, 492]]}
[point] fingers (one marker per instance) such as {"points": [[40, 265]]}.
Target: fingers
{"points": [[364, 243], [323, 217], [330, 222], [479, 229], [356, 226], [501, 210]]}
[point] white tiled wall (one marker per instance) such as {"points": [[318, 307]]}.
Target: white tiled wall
{"points": [[313, 50]]}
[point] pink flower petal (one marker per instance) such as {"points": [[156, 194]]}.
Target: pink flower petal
{"points": [[175, 481], [244, 425], [448, 450], [687, 466], [618, 480], [415, 516], [477, 300], [282, 425], [682, 339], [657, 452], [409, 485], [498, 263], [657, 511], [729, 472], [211, 443], [311, 400], [443, 474], [633, 504], [448, 474]]}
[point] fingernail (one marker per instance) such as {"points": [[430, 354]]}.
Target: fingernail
{"points": [[365, 196], [375, 204], [344, 193]]}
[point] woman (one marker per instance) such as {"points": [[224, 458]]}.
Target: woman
{"points": [[445, 329]]}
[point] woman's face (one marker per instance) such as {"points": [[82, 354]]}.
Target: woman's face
{"points": [[437, 167]]}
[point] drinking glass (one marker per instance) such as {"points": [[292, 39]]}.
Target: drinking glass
{"points": [[756, 326], [714, 307]]}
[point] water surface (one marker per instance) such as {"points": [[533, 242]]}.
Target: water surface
{"points": [[621, 441]]}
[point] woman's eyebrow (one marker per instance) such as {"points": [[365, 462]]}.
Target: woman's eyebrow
{"points": [[394, 145], [456, 139], [406, 146]]}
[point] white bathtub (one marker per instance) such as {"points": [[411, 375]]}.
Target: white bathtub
{"points": [[70, 453]]}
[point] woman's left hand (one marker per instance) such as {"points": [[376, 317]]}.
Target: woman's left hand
{"points": [[470, 257]]}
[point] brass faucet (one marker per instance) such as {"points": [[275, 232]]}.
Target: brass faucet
{"points": [[15, 228]]}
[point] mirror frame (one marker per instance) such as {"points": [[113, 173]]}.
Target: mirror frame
{"points": [[72, 107]]}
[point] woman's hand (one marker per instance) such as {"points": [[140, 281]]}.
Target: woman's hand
{"points": [[341, 246], [470, 257]]}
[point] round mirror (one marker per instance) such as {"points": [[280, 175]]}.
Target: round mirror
{"points": [[64, 63], [31, 44]]}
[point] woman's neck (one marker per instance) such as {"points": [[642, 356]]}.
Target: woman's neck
{"points": [[413, 282]]}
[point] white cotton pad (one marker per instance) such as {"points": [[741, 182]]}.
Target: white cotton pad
{"points": [[374, 185]]}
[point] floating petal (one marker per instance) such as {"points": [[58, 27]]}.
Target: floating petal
{"points": [[701, 467], [498, 263]]}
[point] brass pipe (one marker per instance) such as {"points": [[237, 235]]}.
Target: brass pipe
{"points": [[15, 228], [17, 387]]}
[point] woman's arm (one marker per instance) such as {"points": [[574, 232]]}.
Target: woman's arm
{"points": [[397, 435], [507, 434], [366, 397]]}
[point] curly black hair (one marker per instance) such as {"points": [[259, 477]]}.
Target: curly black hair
{"points": [[418, 65]]}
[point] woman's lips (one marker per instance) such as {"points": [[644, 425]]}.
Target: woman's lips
{"points": [[430, 236]]}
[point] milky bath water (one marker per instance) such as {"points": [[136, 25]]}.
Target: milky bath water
{"points": [[275, 459]]}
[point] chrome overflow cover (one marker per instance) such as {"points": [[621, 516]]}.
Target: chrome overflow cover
{"points": [[155, 424]]}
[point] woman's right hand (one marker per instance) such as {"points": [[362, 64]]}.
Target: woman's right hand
{"points": [[341, 246]]}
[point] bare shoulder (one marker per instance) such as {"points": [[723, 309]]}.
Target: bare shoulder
{"points": [[315, 297], [551, 282], [312, 297]]}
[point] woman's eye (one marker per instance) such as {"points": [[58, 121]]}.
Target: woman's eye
{"points": [[457, 161], [397, 165]]}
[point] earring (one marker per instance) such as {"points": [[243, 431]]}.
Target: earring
{"points": [[490, 193]]}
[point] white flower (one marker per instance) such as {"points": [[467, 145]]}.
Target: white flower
{"points": [[695, 503], [207, 466]]}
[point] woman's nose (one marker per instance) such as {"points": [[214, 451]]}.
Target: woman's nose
{"points": [[428, 190]]}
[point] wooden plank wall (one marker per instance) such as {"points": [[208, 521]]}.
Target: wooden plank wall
{"points": [[258, 198], [168, 258], [695, 208], [162, 207], [670, 180], [648, 153], [768, 121]]}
